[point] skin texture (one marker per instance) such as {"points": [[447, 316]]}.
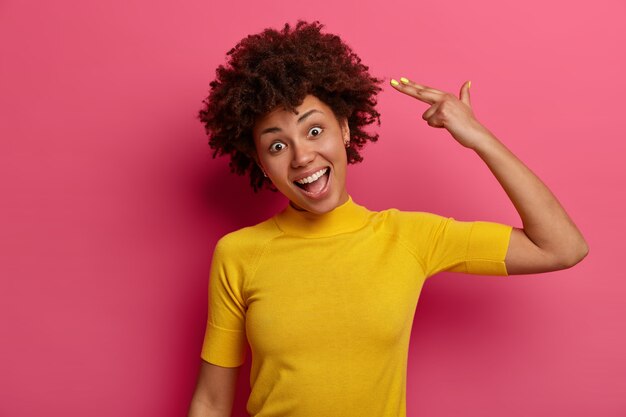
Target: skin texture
{"points": [[299, 146], [215, 391], [549, 240]]}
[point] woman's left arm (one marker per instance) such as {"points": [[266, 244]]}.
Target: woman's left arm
{"points": [[549, 239]]}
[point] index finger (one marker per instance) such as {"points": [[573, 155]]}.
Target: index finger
{"points": [[406, 81], [421, 92]]}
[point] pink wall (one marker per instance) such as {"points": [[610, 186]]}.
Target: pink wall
{"points": [[111, 204]]}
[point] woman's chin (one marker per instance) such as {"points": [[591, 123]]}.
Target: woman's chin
{"points": [[320, 206]]}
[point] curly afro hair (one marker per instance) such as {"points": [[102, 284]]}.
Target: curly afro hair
{"points": [[280, 68]]}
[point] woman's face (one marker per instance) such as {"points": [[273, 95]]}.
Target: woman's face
{"points": [[304, 154]]}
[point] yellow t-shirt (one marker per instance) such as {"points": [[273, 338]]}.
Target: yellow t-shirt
{"points": [[326, 303]]}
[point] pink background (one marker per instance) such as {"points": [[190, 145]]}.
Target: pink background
{"points": [[111, 204]]}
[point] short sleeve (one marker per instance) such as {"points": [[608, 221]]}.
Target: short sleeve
{"points": [[225, 338], [476, 247]]}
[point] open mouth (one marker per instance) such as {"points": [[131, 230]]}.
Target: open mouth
{"points": [[314, 183]]}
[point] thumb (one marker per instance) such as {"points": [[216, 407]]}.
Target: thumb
{"points": [[465, 94]]}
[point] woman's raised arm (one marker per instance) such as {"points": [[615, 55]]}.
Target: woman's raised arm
{"points": [[549, 239]]}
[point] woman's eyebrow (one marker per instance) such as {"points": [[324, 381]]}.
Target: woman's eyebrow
{"points": [[300, 119]]}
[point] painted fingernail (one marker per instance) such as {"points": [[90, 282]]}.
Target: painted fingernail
{"points": [[469, 84], [404, 80], [394, 82]]}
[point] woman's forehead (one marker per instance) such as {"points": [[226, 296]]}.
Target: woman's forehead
{"points": [[281, 115]]}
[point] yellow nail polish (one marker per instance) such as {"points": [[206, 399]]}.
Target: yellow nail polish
{"points": [[394, 82], [469, 84], [404, 80]]}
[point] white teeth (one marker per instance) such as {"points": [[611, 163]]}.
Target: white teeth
{"points": [[312, 177]]}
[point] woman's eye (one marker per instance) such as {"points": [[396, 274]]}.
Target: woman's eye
{"points": [[277, 147], [315, 131]]}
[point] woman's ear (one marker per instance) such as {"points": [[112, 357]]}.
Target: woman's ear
{"points": [[345, 131]]}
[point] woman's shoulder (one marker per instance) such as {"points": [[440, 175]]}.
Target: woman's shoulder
{"points": [[409, 224], [249, 237], [396, 216]]}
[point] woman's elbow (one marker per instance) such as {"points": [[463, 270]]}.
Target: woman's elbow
{"points": [[577, 255]]}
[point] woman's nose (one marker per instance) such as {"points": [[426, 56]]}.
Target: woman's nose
{"points": [[303, 154]]}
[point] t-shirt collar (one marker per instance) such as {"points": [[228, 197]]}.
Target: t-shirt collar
{"points": [[342, 219]]}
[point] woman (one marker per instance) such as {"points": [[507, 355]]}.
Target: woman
{"points": [[325, 291]]}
